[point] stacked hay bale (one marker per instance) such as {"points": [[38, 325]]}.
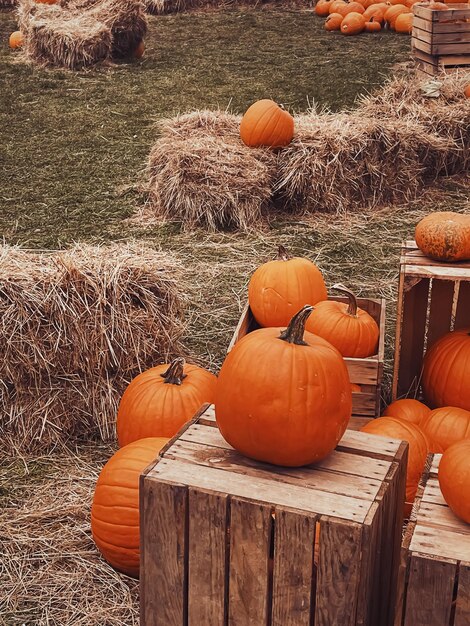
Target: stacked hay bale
{"points": [[75, 328]]}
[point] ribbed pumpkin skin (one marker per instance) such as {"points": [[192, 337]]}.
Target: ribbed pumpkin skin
{"points": [[283, 403], [115, 508], [333, 21], [16, 39], [266, 124], [351, 7], [150, 407], [278, 289], [353, 24], [393, 12], [454, 478], [404, 23], [408, 409], [446, 426], [418, 446], [376, 11], [446, 371], [444, 236], [373, 26], [322, 8]]}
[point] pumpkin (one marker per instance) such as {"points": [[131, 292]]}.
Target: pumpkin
{"points": [[115, 508], [352, 24], [279, 288], [438, 6], [160, 400], [376, 11], [372, 26], [336, 5], [444, 236], [139, 51], [347, 327], [284, 396], [454, 478], [16, 40], [446, 426], [266, 124], [322, 7], [408, 409], [351, 7], [466, 91], [418, 446], [333, 21], [356, 388], [446, 371], [393, 12], [404, 23]]}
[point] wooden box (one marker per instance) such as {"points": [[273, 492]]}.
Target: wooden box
{"points": [[441, 39], [367, 373], [434, 577], [433, 298], [228, 541]]}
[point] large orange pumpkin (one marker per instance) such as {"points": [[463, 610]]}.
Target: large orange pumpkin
{"points": [[418, 446], [444, 236], [16, 40], [160, 400], [393, 12], [376, 11], [266, 124], [408, 409], [337, 5], [353, 24], [404, 23], [446, 426], [322, 7], [351, 7], [115, 509], [454, 478], [446, 371], [347, 327], [279, 288], [284, 396], [333, 21]]}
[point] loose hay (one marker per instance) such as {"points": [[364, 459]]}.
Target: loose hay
{"points": [[75, 327]]}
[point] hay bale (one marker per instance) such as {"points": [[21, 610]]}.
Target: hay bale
{"points": [[201, 174], [75, 327]]}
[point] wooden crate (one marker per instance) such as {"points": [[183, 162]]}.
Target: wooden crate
{"points": [[367, 373], [433, 298], [441, 39], [228, 541], [434, 576]]}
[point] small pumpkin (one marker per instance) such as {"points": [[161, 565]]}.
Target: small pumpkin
{"points": [[266, 124], [444, 236], [322, 8], [408, 409], [139, 51], [333, 21], [446, 371], [284, 396], [347, 327], [162, 399], [16, 40], [351, 7], [454, 478], [279, 288], [115, 508], [372, 26], [404, 23], [418, 446], [393, 12], [356, 388], [352, 24], [446, 426]]}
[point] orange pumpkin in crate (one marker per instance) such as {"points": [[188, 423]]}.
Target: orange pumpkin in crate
{"points": [[446, 426], [408, 409], [333, 21], [353, 24], [266, 124], [454, 478], [444, 236]]}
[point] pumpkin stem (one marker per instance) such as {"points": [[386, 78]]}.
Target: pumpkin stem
{"points": [[294, 333], [174, 374], [283, 254], [352, 308]]}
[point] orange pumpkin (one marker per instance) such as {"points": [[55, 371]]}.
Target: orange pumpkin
{"points": [[159, 401], [322, 7], [466, 91], [115, 508], [375, 12], [446, 426], [336, 5], [454, 478], [16, 40], [356, 388], [283, 396], [372, 26], [279, 288], [444, 236], [347, 327], [404, 23], [446, 371], [333, 21], [139, 51], [266, 124], [351, 7], [408, 409], [418, 446], [393, 12], [438, 6], [353, 24]]}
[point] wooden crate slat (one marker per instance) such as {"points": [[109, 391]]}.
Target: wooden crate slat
{"points": [[462, 604], [364, 404], [373, 590], [440, 516], [462, 312], [438, 541], [443, 49], [457, 11], [293, 568], [438, 28], [446, 37], [440, 313], [249, 572]]}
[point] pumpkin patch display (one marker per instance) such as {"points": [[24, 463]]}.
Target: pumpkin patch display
{"points": [[115, 508], [160, 400], [347, 327], [444, 236], [418, 446], [454, 478], [266, 124], [446, 371], [352, 24], [278, 289], [446, 426], [16, 40], [283, 395], [408, 409]]}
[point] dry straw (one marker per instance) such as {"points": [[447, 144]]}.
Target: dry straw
{"points": [[75, 327]]}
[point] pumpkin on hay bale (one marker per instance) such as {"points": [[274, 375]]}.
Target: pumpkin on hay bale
{"points": [[75, 327]]}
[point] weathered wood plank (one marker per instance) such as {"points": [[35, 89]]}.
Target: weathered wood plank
{"points": [[462, 604], [462, 312], [440, 312]]}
